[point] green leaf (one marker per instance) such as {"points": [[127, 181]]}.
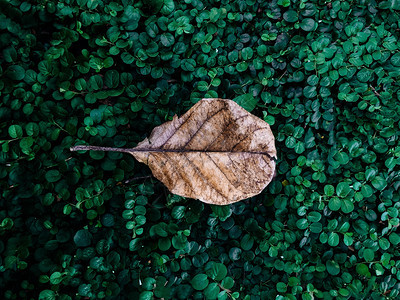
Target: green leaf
{"points": [[362, 269], [333, 239], [199, 282], [95, 82], [162, 290], [212, 291], [67, 209], [242, 66], [188, 65], [15, 131], [223, 212], [136, 105], [384, 244], [247, 53], [127, 58], [290, 142], [108, 220], [348, 47], [247, 101], [56, 278], [371, 215], [347, 206], [273, 251], [216, 271], [234, 253], [395, 60], [164, 244], [394, 238], [10, 54], [342, 158], [160, 229], [15, 72], [387, 133], [168, 7], [391, 162], [203, 86], [367, 191], [178, 212], [271, 121], [96, 63], [26, 144], [348, 240], [302, 224], [290, 16], [111, 79], [269, 36], [332, 267], [47, 295], [146, 295], [334, 204], [179, 241], [316, 227], [281, 287], [361, 227], [342, 189], [299, 148], [134, 244], [167, 39], [364, 75], [53, 175], [108, 62], [82, 238], [228, 283], [308, 24], [80, 84], [370, 174], [247, 242], [368, 255], [379, 183], [32, 129], [329, 190], [310, 92], [314, 216], [313, 80]]}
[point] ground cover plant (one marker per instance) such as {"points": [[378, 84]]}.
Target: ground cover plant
{"points": [[325, 76]]}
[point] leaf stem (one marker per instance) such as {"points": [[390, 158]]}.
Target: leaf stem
{"points": [[98, 148]]}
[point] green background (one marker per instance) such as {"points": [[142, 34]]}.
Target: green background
{"points": [[92, 225]]}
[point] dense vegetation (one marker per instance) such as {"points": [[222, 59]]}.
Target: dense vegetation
{"points": [[97, 225]]}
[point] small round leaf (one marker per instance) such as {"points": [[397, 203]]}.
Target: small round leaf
{"points": [[199, 282]]}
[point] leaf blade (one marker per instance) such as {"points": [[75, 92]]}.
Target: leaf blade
{"points": [[204, 153]]}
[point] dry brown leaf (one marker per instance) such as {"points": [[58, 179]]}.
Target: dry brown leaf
{"points": [[216, 152]]}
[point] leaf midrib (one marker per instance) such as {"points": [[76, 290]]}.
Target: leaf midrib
{"points": [[152, 150]]}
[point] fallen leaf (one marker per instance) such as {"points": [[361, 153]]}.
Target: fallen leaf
{"points": [[216, 152]]}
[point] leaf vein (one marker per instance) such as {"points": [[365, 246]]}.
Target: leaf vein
{"points": [[230, 182], [202, 124], [204, 178], [225, 129]]}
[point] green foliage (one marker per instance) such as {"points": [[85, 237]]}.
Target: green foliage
{"points": [[325, 75]]}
